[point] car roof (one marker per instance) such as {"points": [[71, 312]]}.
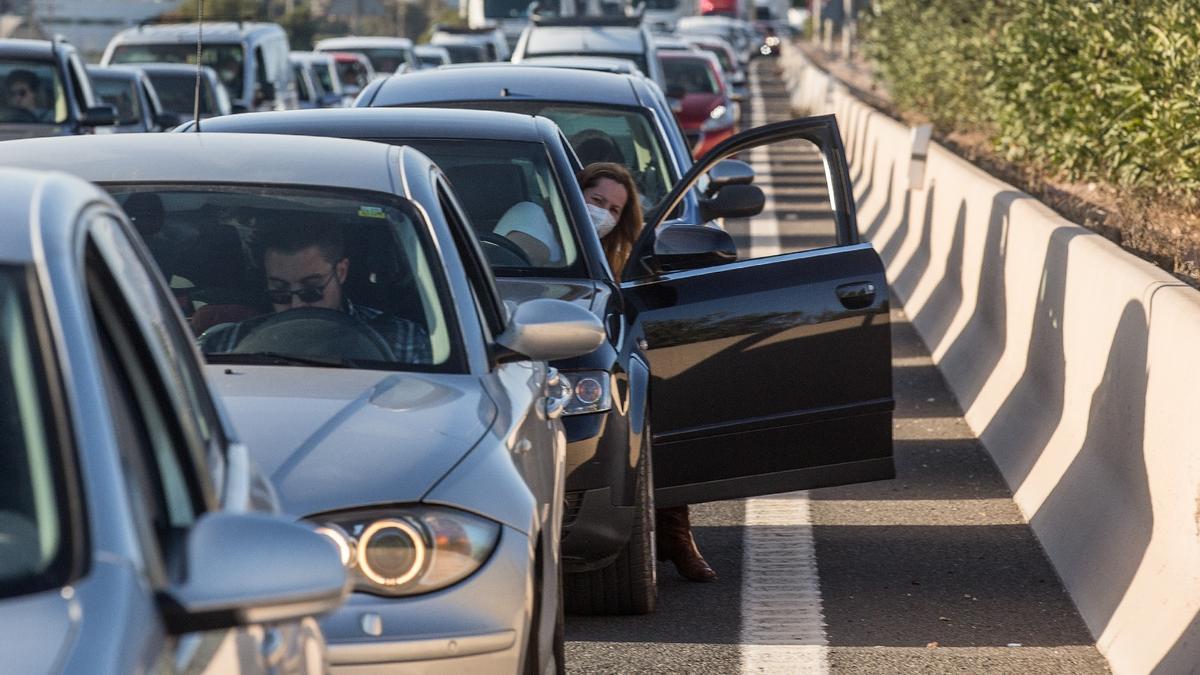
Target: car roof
{"points": [[22, 48], [212, 158], [312, 57], [510, 81], [361, 41], [171, 68], [116, 72], [385, 123], [217, 31], [582, 39]]}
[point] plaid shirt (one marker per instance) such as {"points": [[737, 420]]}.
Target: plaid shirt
{"points": [[409, 342]]}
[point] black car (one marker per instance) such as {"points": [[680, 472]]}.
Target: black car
{"points": [[130, 91], [606, 115], [45, 91], [735, 372]]}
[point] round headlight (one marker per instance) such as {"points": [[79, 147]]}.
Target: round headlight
{"points": [[391, 552], [588, 390]]}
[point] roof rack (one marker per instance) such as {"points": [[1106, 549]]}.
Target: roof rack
{"points": [[463, 30], [167, 21]]}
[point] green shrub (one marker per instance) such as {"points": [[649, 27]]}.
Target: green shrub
{"points": [[1092, 89]]}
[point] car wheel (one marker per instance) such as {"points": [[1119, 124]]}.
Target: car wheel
{"points": [[629, 585]]}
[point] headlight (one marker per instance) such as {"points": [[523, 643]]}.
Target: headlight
{"points": [[586, 391], [772, 41], [409, 550], [720, 117]]}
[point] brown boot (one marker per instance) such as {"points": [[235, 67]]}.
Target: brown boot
{"points": [[675, 543]]}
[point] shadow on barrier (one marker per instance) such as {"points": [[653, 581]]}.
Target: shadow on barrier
{"points": [[868, 233], [978, 347], [920, 256], [869, 172], [1184, 655], [1028, 417], [939, 310], [1100, 508]]}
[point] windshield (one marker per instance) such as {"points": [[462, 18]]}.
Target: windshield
{"points": [[354, 75], [32, 94], [177, 92], [33, 524], [383, 59], [692, 75], [465, 53], [513, 201], [324, 73], [122, 94], [226, 59], [284, 276], [504, 9], [662, 4], [603, 134], [638, 58]]}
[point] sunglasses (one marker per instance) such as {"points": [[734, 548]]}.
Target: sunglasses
{"points": [[19, 93], [307, 294]]}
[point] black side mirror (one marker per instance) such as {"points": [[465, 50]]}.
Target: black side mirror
{"points": [[238, 108], [728, 172], [99, 116], [167, 120], [266, 92], [689, 247], [733, 201]]}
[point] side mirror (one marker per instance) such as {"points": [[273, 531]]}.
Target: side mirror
{"points": [[167, 120], [689, 247], [245, 568], [545, 329], [733, 201], [729, 172], [239, 108], [99, 116], [266, 91]]}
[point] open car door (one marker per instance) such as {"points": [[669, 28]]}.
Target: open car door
{"points": [[771, 374]]}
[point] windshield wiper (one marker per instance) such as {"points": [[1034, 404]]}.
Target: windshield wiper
{"points": [[279, 359]]}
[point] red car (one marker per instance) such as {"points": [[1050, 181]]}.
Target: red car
{"points": [[703, 104]]}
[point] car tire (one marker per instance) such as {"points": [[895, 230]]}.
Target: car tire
{"points": [[629, 585]]}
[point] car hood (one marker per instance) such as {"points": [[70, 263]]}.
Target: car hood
{"points": [[694, 108], [332, 439], [579, 291]]}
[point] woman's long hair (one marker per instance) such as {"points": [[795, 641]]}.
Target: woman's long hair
{"points": [[618, 244]]}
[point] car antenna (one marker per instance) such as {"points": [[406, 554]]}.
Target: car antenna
{"points": [[199, 63]]}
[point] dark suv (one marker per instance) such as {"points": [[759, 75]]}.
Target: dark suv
{"points": [[46, 91]]}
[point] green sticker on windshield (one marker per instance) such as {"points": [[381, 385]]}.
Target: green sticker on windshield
{"points": [[371, 212]]}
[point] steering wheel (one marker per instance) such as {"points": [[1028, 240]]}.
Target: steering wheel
{"points": [[316, 331], [502, 251], [11, 114]]}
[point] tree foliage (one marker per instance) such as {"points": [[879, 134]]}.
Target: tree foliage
{"points": [[1093, 89]]}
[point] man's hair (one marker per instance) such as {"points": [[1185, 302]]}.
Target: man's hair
{"points": [[293, 238], [21, 75]]}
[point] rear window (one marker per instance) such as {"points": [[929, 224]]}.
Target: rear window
{"points": [[227, 59], [34, 524], [288, 276], [177, 92], [121, 94], [692, 75]]}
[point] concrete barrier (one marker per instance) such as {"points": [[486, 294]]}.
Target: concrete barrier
{"points": [[1076, 363]]}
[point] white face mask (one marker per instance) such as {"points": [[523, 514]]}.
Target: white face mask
{"points": [[602, 220]]}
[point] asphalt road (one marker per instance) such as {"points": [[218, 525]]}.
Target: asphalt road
{"points": [[933, 572]]}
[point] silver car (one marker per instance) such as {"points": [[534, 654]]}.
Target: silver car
{"points": [[354, 329], [134, 533]]}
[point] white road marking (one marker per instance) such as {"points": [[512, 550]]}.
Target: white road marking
{"points": [[783, 622]]}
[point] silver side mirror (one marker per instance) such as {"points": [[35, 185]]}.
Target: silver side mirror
{"points": [[245, 568], [545, 329]]}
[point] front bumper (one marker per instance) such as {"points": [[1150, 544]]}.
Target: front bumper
{"points": [[477, 625], [598, 518]]}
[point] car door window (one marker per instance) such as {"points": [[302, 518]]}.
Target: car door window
{"points": [[157, 325], [483, 290], [163, 496]]}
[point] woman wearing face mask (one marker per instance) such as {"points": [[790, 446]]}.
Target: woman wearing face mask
{"points": [[616, 213]]}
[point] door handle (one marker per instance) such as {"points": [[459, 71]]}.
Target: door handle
{"points": [[857, 295]]}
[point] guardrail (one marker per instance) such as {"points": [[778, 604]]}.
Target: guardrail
{"points": [[1076, 363]]}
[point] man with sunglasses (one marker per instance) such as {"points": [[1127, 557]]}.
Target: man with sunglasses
{"points": [[21, 91], [306, 266]]}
